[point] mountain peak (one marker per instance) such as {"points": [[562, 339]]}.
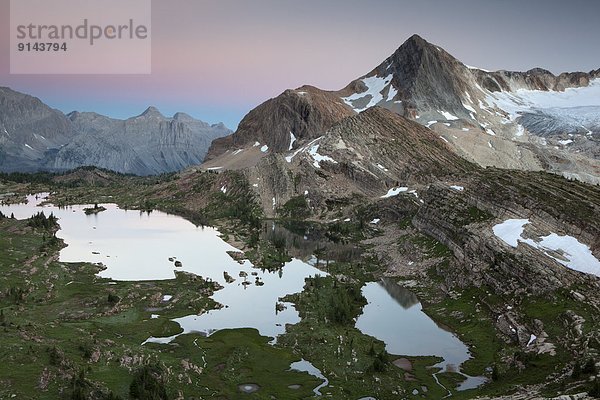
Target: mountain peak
{"points": [[152, 112], [416, 40], [415, 45], [417, 76], [181, 116]]}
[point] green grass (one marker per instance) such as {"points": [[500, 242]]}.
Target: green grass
{"points": [[48, 305], [64, 323], [346, 355]]}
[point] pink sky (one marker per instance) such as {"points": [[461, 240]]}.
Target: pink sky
{"points": [[218, 59]]}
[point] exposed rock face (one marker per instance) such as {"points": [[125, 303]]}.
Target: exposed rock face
{"points": [[304, 113], [144, 145], [494, 196], [28, 130], [534, 79], [34, 137], [366, 154], [479, 112], [425, 77], [506, 119]]}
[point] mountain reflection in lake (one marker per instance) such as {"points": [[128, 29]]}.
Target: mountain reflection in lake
{"points": [[144, 246], [395, 316], [303, 240]]}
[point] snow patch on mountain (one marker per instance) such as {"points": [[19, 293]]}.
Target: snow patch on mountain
{"points": [[448, 116], [481, 69], [375, 85], [566, 249], [392, 92], [314, 153], [469, 108], [510, 231], [394, 192], [524, 100]]}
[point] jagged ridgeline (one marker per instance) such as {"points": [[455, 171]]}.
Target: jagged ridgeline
{"points": [[34, 137], [443, 182], [531, 120]]}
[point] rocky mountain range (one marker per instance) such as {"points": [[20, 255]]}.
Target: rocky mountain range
{"points": [[448, 164], [35, 137], [529, 120], [419, 139], [450, 179], [27, 129]]}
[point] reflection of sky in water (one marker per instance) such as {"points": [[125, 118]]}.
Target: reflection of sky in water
{"points": [[398, 321], [137, 246], [134, 245], [255, 305]]}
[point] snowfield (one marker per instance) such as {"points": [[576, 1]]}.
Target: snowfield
{"points": [[314, 153], [375, 85], [448, 116], [510, 231], [525, 100], [567, 250]]}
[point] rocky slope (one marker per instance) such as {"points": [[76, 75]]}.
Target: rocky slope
{"points": [[34, 137], [529, 120], [501, 118], [278, 123], [28, 130]]}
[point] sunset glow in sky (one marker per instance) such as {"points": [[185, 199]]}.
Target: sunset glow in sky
{"points": [[217, 59]]}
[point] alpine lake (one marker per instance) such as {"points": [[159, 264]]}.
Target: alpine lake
{"points": [[260, 319]]}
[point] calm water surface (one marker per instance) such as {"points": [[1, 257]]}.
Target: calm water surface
{"points": [[137, 246]]}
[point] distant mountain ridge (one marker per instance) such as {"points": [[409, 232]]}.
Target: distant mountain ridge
{"points": [[28, 128], [34, 137]]}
